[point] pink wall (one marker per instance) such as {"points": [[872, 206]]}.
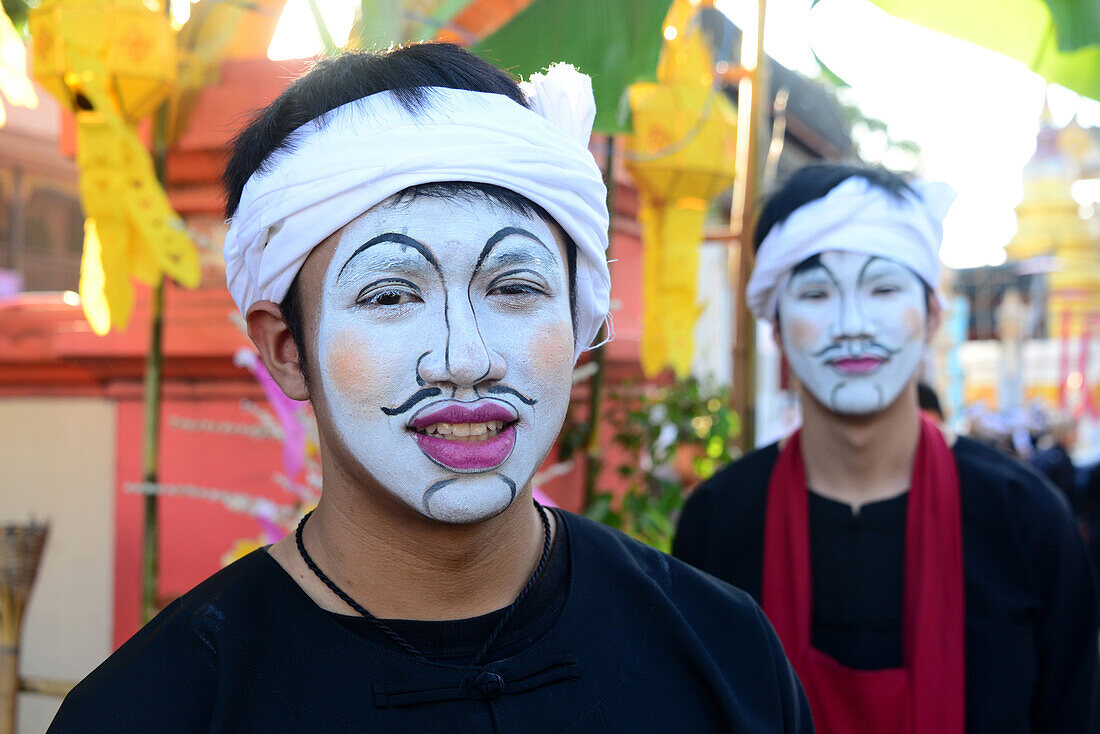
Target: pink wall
{"points": [[194, 533]]}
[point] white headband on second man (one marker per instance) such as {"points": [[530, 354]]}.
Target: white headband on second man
{"points": [[358, 155], [856, 216]]}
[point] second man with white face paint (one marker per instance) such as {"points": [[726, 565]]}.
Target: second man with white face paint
{"points": [[418, 248], [919, 583]]}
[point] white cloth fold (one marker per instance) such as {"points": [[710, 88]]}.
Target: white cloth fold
{"points": [[356, 156], [856, 216], [563, 96]]}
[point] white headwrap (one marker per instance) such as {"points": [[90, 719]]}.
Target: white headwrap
{"points": [[356, 156], [856, 216]]}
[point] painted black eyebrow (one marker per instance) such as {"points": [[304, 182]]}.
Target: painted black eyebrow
{"points": [[823, 268], [495, 239], [400, 239], [875, 258]]}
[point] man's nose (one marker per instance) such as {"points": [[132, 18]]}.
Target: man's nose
{"points": [[462, 357], [852, 321]]}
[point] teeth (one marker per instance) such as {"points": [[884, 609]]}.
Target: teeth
{"points": [[466, 432]]}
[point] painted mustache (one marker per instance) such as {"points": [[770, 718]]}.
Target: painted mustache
{"points": [[416, 397], [854, 349], [856, 357], [431, 392]]}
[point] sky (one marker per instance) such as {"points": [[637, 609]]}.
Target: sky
{"points": [[974, 113]]}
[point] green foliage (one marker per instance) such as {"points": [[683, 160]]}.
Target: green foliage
{"points": [[17, 11], [616, 42], [673, 437]]}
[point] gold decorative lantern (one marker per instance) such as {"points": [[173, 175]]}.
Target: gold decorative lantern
{"points": [[112, 62], [127, 44], [681, 156]]}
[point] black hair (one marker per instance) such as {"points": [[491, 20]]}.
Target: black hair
{"points": [[330, 83], [333, 82], [928, 400], [814, 181]]}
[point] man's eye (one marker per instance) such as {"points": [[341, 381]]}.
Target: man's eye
{"points": [[514, 289], [885, 290], [813, 295], [388, 297]]}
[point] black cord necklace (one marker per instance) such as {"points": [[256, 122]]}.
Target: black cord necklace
{"points": [[390, 632]]}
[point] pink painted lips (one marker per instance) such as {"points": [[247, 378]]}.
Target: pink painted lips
{"points": [[466, 438], [857, 365]]}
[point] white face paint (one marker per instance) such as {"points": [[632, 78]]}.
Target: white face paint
{"points": [[445, 348], [853, 329]]}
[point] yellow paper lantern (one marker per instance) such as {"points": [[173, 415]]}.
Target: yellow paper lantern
{"points": [[681, 155], [113, 62], [129, 44], [684, 141]]}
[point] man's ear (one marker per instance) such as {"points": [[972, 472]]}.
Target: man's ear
{"points": [[278, 351], [935, 317]]}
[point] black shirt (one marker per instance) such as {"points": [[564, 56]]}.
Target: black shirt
{"points": [[1055, 464], [627, 639], [1031, 616], [460, 640], [858, 580]]}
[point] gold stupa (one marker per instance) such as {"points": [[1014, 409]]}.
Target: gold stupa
{"points": [[1049, 225]]}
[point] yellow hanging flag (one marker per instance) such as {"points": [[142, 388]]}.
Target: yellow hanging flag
{"points": [[112, 61], [680, 156], [140, 236]]}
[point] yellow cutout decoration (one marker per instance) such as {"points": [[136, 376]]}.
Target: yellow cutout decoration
{"points": [[126, 45], [14, 84], [113, 61], [140, 236], [670, 271], [681, 156], [93, 284]]}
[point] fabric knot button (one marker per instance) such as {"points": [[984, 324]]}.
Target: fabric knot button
{"points": [[489, 684]]}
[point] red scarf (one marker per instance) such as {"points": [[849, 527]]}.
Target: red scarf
{"points": [[926, 696]]}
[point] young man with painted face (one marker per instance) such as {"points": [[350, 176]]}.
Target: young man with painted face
{"points": [[418, 248], [919, 582]]}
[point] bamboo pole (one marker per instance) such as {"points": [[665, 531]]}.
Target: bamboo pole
{"points": [[46, 686], [150, 456], [751, 90], [150, 464], [20, 551]]}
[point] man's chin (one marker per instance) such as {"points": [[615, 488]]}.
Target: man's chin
{"points": [[468, 500], [859, 399]]}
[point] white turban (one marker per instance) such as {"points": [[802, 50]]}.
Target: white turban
{"points": [[856, 216], [356, 156]]}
